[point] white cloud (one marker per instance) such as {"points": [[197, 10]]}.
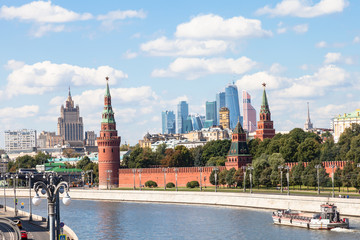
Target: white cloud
{"points": [[42, 12], [301, 28], [304, 67], [213, 27], [333, 57], [321, 44], [109, 18], [184, 47], [194, 68], [46, 76], [130, 55], [356, 39], [304, 9], [20, 112], [254, 81], [281, 30], [43, 29], [277, 68]]}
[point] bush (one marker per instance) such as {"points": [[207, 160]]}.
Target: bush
{"points": [[151, 184], [170, 185], [192, 184]]}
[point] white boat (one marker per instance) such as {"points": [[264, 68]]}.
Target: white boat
{"points": [[327, 219]]}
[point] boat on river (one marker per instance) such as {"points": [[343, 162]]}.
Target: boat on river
{"points": [[327, 219]]}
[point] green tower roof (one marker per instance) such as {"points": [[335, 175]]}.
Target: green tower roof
{"points": [[264, 105], [107, 113], [238, 129]]}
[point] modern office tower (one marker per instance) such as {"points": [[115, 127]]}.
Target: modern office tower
{"points": [[220, 102], [182, 115], [211, 116], [70, 124], [308, 124], [20, 140], [265, 127], [90, 138], [249, 113], [108, 146], [224, 117], [168, 122], [196, 122], [232, 103], [187, 124]]}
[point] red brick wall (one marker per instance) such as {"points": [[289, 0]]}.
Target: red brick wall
{"points": [[184, 175]]}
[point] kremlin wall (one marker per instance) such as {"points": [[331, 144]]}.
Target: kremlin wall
{"points": [[111, 174]]}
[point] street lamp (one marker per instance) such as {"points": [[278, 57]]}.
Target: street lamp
{"points": [[52, 187], [108, 179], [288, 178], [250, 168], [15, 177], [200, 170], [318, 166], [281, 174], [139, 171], [30, 175], [332, 179], [244, 171], [215, 169], [90, 171], [164, 170], [4, 176], [176, 171], [134, 171]]}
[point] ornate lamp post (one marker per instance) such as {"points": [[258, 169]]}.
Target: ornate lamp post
{"points": [[139, 171], [52, 188], [15, 177], [332, 179], [90, 171], [164, 170], [200, 170], [215, 169], [244, 171], [250, 168], [281, 174], [134, 171], [176, 171], [318, 166], [288, 178], [30, 175]]}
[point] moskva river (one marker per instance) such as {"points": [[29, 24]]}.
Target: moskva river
{"points": [[129, 220]]}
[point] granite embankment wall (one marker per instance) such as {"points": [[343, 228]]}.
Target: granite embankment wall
{"points": [[347, 206]]}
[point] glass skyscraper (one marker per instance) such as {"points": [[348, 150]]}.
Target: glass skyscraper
{"points": [[211, 116], [232, 103], [182, 114], [168, 122], [196, 122], [220, 102]]}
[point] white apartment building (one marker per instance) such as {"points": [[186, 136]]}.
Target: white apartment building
{"points": [[341, 122], [20, 140]]}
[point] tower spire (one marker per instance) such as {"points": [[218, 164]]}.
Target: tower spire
{"points": [[308, 124], [308, 118], [264, 104]]}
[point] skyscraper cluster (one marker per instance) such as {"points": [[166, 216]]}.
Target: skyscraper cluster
{"points": [[224, 111]]}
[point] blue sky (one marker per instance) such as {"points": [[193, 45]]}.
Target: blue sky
{"points": [[157, 53]]}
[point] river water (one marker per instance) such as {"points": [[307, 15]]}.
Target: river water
{"points": [[129, 220]]}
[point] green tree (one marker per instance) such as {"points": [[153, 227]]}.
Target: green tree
{"points": [[264, 178], [253, 145], [347, 175], [197, 156], [230, 181], [262, 148], [328, 151], [239, 178], [218, 148], [83, 162], [296, 173], [308, 151], [222, 177], [345, 140], [289, 149], [259, 164], [216, 161], [354, 153]]}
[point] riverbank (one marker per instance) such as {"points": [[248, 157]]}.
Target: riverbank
{"points": [[347, 206]]}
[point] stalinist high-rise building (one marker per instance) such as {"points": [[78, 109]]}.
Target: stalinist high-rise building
{"points": [[70, 124]]}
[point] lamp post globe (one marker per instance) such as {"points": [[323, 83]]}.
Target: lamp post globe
{"points": [[66, 200], [36, 200]]}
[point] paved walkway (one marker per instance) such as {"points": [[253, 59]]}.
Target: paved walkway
{"points": [[34, 231]]}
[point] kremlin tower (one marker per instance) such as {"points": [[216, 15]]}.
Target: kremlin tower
{"points": [[265, 127], [238, 155], [108, 145]]}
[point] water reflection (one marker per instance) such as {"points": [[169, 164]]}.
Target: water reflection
{"points": [[120, 220]]}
